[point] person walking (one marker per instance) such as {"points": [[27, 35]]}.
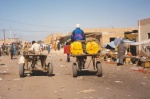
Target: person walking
{"points": [[67, 51], [48, 48], [3, 49], [15, 49], [58, 45], [121, 52], [12, 50], [55, 46]]}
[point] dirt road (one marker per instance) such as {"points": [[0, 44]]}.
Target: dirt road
{"points": [[117, 82]]}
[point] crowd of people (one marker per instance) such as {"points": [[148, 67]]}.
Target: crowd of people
{"points": [[10, 49], [35, 48]]}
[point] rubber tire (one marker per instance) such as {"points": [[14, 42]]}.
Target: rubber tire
{"points": [[75, 70], [21, 70], [50, 69], [99, 69]]}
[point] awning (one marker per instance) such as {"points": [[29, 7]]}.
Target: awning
{"points": [[140, 42]]}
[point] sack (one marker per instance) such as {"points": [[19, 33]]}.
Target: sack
{"points": [[21, 60]]}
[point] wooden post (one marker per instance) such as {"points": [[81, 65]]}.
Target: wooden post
{"points": [[4, 36]]}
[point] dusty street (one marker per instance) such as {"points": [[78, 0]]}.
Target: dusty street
{"points": [[117, 82]]}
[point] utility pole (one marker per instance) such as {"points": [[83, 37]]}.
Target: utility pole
{"points": [[14, 36], [4, 36], [10, 35]]}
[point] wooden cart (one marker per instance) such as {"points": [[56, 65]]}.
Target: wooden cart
{"points": [[35, 62], [79, 65], [81, 57]]}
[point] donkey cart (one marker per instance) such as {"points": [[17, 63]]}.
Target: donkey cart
{"points": [[33, 62], [82, 50], [79, 65]]}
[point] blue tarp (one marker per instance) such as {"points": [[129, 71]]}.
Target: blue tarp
{"points": [[111, 45], [116, 42]]}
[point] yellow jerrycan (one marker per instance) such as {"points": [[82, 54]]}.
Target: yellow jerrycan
{"points": [[76, 48], [92, 47]]}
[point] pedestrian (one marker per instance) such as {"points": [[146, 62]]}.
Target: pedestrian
{"points": [[3, 48], [12, 50], [121, 52], [58, 45], [67, 51], [15, 49], [55, 48], [48, 48]]}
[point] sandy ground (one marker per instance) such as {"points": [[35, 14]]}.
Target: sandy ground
{"points": [[117, 82]]}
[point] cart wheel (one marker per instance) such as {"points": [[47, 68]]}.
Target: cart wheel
{"points": [[99, 69], [50, 69], [75, 70], [21, 70]]}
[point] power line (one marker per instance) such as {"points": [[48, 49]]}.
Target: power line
{"points": [[31, 24], [32, 30]]}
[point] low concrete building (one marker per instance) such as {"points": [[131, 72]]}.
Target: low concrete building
{"points": [[144, 29], [53, 38], [9, 40], [104, 35], [108, 34]]}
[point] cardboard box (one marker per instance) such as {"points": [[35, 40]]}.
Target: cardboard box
{"points": [[127, 60], [145, 64]]}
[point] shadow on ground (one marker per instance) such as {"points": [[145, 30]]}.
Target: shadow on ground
{"points": [[87, 73], [2, 64], [37, 73]]}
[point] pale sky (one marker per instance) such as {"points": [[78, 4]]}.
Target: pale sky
{"points": [[36, 19]]}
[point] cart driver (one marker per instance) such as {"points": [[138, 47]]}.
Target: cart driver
{"points": [[78, 34], [35, 48]]}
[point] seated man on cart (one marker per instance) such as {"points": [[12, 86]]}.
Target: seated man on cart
{"points": [[36, 51], [35, 48], [78, 34]]}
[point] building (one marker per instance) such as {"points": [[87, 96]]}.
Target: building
{"points": [[53, 38], [144, 29], [107, 34], [10, 40], [143, 32]]}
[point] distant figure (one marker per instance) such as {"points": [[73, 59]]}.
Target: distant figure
{"points": [[77, 34], [48, 48], [58, 45], [55, 48], [12, 50], [121, 52], [3, 48], [67, 51], [15, 49]]}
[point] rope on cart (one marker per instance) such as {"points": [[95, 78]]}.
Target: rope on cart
{"points": [[89, 63]]}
